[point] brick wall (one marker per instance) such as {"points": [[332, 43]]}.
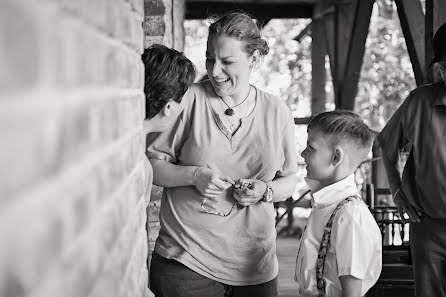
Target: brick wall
{"points": [[72, 206], [163, 24]]}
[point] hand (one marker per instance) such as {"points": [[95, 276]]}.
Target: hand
{"points": [[404, 207], [249, 191], [210, 184]]}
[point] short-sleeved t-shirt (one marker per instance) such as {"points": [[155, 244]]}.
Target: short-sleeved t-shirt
{"points": [[420, 124], [238, 249]]}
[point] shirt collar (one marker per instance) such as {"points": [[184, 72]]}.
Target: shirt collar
{"points": [[440, 96], [334, 193]]}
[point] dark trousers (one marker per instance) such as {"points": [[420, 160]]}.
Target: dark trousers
{"points": [[428, 247], [169, 278]]}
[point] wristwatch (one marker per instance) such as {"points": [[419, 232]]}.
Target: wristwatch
{"points": [[268, 195]]}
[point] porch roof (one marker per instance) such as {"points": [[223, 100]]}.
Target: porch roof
{"points": [[263, 9]]}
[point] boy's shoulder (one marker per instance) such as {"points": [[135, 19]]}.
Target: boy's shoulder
{"points": [[356, 211]]}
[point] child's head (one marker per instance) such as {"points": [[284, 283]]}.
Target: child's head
{"points": [[168, 74], [338, 141]]}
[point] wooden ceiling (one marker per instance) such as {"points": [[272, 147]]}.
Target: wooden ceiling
{"points": [[262, 9]]}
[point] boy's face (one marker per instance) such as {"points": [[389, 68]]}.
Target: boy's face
{"points": [[318, 156]]}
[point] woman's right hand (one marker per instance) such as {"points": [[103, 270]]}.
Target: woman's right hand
{"points": [[210, 184]]}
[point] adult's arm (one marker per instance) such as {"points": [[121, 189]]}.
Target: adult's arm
{"points": [[283, 187], [208, 182], [396, 134]]}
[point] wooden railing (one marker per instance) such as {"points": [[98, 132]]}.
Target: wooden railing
{"points": [[394, 231]]}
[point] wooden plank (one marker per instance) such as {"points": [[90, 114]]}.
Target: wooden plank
{"points": [[306, 31], [412, 23], [350, 60], [203, 10]]}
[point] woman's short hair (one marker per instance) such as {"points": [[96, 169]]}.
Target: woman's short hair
{"points": [[168, 75], [241, 26]]}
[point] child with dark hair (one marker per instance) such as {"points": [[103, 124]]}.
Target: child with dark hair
{"points": [[340, 251], [168, 75]]}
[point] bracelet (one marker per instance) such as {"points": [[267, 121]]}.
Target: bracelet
{"points": [[196, 173]]}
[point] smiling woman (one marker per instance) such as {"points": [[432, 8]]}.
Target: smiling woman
{"points": [[217, 238]]}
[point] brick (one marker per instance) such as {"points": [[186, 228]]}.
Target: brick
{"points": [[153, 211], [157, 193], [154, 228], [138, 7], [95, 12], [154, 26], [82, 268], [25, 145], [149, 40], [154, 7], [20, 54]]}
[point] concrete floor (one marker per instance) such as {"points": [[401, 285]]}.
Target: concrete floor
{"points": [[286, 254]]}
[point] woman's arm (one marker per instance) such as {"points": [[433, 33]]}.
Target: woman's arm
{"points": [[283, 188], [169, 175]]}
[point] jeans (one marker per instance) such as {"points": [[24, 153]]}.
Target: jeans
{"points": [[428, 247], [170, 278]]}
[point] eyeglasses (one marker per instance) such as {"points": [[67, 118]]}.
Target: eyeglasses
{"points": [[210, 210]]}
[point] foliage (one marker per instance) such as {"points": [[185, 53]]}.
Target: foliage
{"points": [[386, 76]]}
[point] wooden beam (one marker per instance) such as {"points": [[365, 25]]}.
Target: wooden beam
{"points": [[303, 33], [439, 14], [318, 71], [428, 36], [412, 21], [203, 10], [324, 11], [302, 121], [353, 61], [436, 19]]}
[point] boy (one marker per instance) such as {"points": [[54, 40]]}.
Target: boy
{"points": [[340, 250], [168, 75]]}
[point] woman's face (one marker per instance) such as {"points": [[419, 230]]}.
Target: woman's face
{"points": [[228, 65]]}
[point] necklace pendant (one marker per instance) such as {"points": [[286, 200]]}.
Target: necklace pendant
{"points": [[229, 112]]}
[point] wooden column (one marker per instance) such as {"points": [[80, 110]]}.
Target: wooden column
{"points": [[318, 71], [412, 21], [435, 17], [346, 34]]}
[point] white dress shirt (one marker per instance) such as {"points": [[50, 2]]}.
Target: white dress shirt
{"points": [[355, 247]]}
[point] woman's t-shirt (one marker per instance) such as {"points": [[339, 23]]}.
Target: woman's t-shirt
{"points": [[238, 249]]}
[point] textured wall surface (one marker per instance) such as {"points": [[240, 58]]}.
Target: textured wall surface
{"points": [[72, 203]]}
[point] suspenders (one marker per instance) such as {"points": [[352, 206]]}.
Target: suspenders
{"points": [[325, 244]]}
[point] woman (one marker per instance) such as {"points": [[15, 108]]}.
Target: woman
{"points": [[230, 154]]}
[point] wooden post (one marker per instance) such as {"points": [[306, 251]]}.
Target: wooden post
{"points": [[412, 21], [318, 71]]}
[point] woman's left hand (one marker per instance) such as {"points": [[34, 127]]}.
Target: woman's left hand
{"points": [[248, 195]]}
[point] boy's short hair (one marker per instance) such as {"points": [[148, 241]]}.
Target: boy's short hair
{"points": [[168, 75], [345, 127]]}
